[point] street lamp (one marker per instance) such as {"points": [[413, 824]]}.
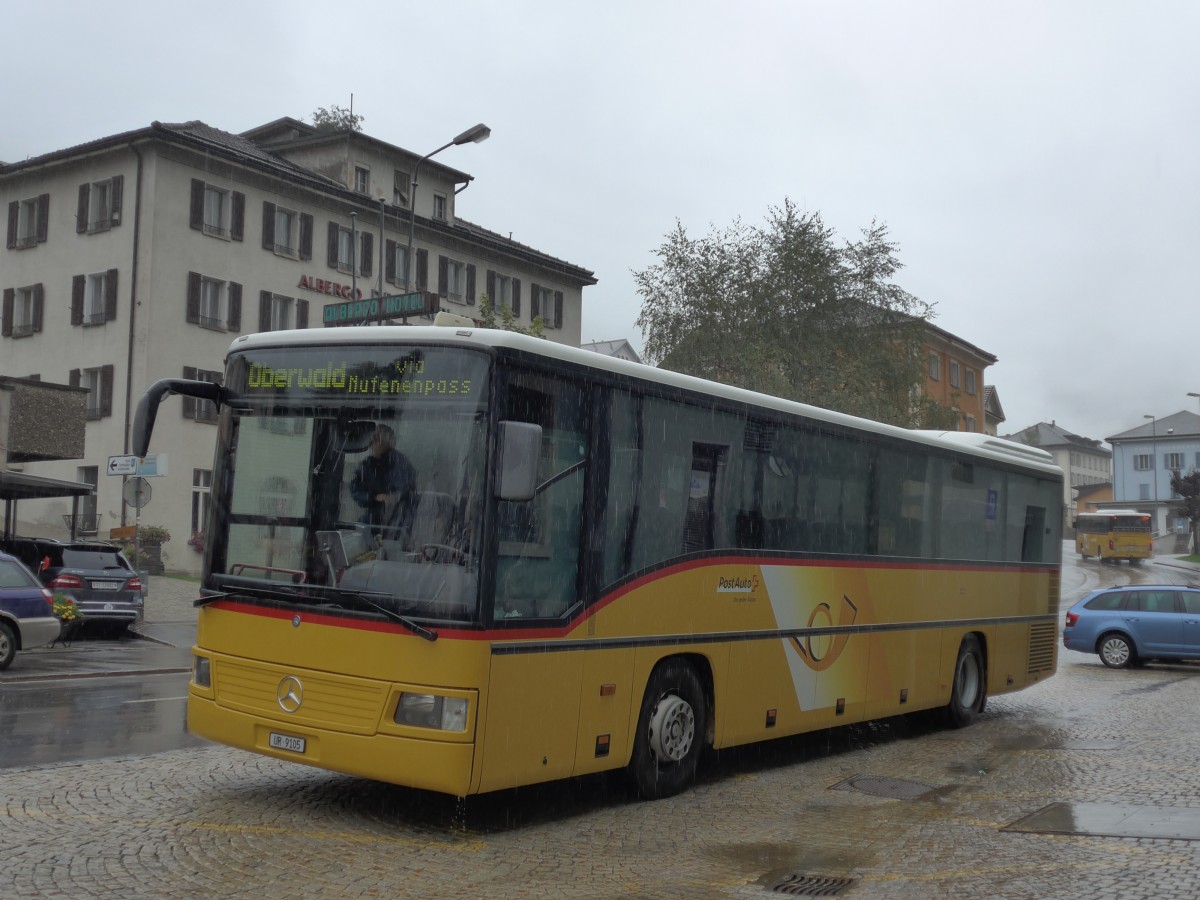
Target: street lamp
{"points": [[1154, 457], [1193, 394], [475, 135]]}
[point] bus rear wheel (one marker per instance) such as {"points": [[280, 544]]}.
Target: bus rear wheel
{"points": [[968, 696], [671, 730]]}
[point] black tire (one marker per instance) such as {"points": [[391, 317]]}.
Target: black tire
{"points": [[8, 645], [1117, 651], [968, 696], [671, 731]]}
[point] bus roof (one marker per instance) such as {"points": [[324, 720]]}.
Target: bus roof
{"points": [[981, 445]]}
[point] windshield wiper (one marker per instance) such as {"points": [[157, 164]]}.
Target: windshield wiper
{"points": [[363, 597]]}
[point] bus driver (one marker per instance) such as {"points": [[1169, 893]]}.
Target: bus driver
{"points": [[384, 483]]}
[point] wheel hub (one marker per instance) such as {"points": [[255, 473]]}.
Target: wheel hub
{"points": [[672, 729]]}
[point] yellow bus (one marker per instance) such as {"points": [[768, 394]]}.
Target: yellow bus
{"points": [[584, 564], [1114, 534]]}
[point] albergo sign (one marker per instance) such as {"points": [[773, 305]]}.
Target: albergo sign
{"points": [[321, 286]]}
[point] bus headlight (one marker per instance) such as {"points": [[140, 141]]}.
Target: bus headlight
{"points": [[432, 711], [201, 671]]}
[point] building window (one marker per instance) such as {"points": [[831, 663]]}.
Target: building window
{"points": [[281, 313], [99, 385], [439, 207], [23, 311], [276, 312], [28, 222], [971, 424], [93, 299], [400, 189], [214, 303], [400, 265], [455, 280], [99, 206], [286, 232], [935, 367], [201, 490], [194, 408], [954, 373], [362, 179], [548, 304], [217, 211], [341, 249], [1143, 492], [88, 521], [501, 293], [1143, 462], [970, 380], [1172, 460]]}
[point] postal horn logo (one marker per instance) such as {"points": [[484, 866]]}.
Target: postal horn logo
{"points": [[290, 694]]}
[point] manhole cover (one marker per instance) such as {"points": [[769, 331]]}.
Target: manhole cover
{"points": [[812, 885], [1086, 745], [892, 788], [1123, 820]]}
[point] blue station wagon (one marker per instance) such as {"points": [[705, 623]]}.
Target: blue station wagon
{"points": [[26, 611], [1128, 626]]}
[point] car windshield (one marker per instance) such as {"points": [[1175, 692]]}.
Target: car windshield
{"points": [[13, 575], [351, 477], [91, 558]]}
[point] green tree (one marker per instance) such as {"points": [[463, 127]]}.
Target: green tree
{"points": [[786, 309], [336, 118], [1188, 487], [504, 319]]}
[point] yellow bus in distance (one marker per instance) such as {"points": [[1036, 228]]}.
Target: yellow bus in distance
{"points": [[1114, 534], [464, 560]]}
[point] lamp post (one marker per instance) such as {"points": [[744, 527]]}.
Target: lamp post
{"points": [[1193, 394], [474, 135]]}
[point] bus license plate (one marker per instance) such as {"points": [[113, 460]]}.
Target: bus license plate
{"points": [[287, 742]]}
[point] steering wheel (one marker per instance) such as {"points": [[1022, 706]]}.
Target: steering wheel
{"points": [[431, 552]]}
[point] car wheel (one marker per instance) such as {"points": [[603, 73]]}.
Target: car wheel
{"points": [[1116, 651], [8, 645], [671, 730], [968, 696]]}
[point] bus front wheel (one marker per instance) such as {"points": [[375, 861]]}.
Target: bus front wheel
{"points": [[968, 696], [671, 730]]}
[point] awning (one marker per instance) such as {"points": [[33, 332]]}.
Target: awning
{"points": [[20, 486]]}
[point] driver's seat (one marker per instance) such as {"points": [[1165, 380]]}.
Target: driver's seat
{"points": [[431, 519]]}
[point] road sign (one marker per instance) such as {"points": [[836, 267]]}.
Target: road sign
{"points": [[137, 492], [122, 465], [152, 465]]}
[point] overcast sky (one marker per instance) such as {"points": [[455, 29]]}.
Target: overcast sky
{"points": [[1036, 162]]}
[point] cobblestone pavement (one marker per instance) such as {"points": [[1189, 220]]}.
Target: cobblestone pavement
{"points": [[219, 822]]}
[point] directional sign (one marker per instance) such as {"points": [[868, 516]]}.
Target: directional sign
{"points": [[122, 465]]}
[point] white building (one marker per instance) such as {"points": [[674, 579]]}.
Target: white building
{"points": [[142, 255]]}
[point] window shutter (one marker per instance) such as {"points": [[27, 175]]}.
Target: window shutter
{"points": [[558, 304], [268, 227], [39, 303], [14, 214], [78, 286], [196, 217], [114, 199], [389, 261], [443, 272], [10, 298], [489, 287], [301, 313], [43, 214], [73, 378], [189, 403], [110, 295], [332, 246], [264, 310], [306, 235], [235, 307], [470, 285], [368, 253], [193, 299], [422, 270], [516, 297], [81, 209], [106, 390], [535, 301], [237, 225]]}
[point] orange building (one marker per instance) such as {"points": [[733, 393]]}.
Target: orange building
{"points": [[954, 376]]}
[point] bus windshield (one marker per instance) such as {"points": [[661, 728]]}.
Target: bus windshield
{"points": [[351, 478]]}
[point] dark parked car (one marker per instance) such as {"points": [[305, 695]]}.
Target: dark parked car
{"points": [[95, 574], [26, 617], [1129, 625]]}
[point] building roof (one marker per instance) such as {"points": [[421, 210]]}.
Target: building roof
{"points": [[1180, 424], [1049, 436], [613, 348], [991, 402], [240, 148]]}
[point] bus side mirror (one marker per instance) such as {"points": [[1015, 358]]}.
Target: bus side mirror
{"points": [[519, 445]]}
